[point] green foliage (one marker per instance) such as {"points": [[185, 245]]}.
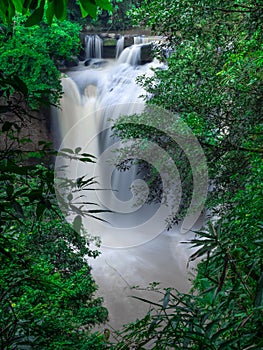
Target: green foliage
{"points": [[36, 10], [118, 17], [33, 54], [47, 293], [157, 192], [213, 80]]}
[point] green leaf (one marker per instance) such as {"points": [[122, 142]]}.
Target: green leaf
{"points": [[34, 154], [3, 7], [70, 197], [60, 9], [67, 150], [50, 12], [11, 11], [166, 298], [77, 150], [36, 16], [93, 211], [88, 8], [18, 5], [146, 301], [77, 223]]}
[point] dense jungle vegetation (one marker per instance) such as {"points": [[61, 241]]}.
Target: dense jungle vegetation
{"points": [[213, 80]]}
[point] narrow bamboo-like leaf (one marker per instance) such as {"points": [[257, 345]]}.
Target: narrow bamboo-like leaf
{"points": [[166, 298], [50, 12], [88, 160], [146, 301], [88, 155], [97, 218], [67, 150], [94, 211], [11, 11]]}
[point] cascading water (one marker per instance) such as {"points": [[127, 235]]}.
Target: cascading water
{"points": [[131, 55], [93, 46], [119, 46], [131, 255]]}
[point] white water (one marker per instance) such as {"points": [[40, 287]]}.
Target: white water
{"points": [[119, 46], [91, 97], [93, 46], [131, 55]]}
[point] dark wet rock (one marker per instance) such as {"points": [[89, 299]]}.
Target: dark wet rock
{"points": [[87, 62], [99, 64], [146, 53]]}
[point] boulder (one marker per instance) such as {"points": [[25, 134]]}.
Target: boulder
{"points": [[99, 64], [146, 53], [87, 62]]}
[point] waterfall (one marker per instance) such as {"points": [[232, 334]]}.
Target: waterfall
{"points": [[119, 46], [93, 99], [131, 55], [93, 46], [137, 40]]}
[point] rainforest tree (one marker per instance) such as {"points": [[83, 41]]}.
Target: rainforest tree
{"points": [[213, 80], [46, 287], [33, 54]]}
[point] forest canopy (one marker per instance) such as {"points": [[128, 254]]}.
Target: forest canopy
{"points": [[36, 10]]}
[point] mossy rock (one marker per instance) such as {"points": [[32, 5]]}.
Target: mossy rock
{"points": [[109, 42]]}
